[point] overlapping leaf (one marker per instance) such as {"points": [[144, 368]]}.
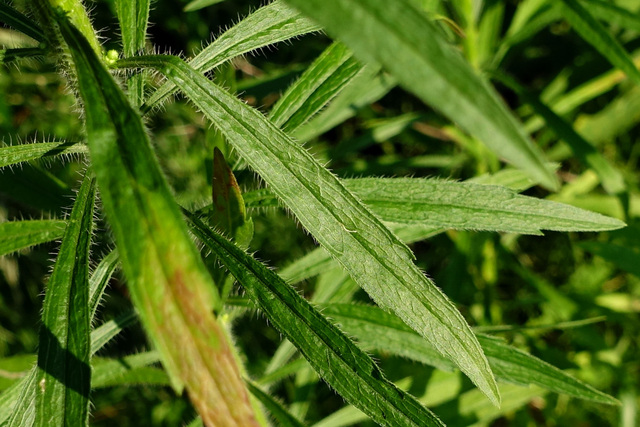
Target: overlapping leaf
{"points": [[372, 255], [172, 291], [332, 354], [400, 37]]}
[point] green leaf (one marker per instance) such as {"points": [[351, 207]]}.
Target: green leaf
{"points": [[18, 235], [200, 4], [345, 367], [613, 14], [376, 329], [228, 210], [624, 257], [18, 407], [15, 154], [17, 20], [612, 179], [461, 205], [372, 254], [129, 370], [594, 33], [133, 16], [401, 38], [275, 408], [317, 86], [99, 280], [10, 55], [365, 88], [64, 373], [268, 25], [103, 334], [167, 279]]}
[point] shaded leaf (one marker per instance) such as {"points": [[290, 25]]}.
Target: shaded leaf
{"points": [[345, 367], [64, 373]]}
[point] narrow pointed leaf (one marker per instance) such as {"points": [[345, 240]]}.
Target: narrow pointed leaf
{"points": [[401, 37], [17, 20], [18, 235], [64, 373], [100, 278], [376, 329], [365, 88], [373, 255], [129, 370], [317, 86], [345, 367], [594, 33], [200, 4], [613, 14], [107, 331], [462, 205], [228, 211], [10, 55], [268, 25], [15, 154], [275, 408], [167, 279]]}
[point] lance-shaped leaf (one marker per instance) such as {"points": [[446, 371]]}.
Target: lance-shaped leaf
{"points": [[373, 255], [275, 408], [593, 32], [18, 235], [318, 85], [9, 55], [228, 211], [401, 37], [17, 20], [134, 19], [462, 205], [167, 279], [376, 329], [64, 374], [16, 154], [345, 367], [270, 24], [200, 4]]}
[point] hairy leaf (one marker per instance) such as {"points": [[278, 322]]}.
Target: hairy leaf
{"points": [[15, 154], [169, 285], [372, 254], [64, 373], [332, 354], [18, 235]]}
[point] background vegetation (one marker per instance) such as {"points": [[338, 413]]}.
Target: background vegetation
{"points": [[569, 298]]}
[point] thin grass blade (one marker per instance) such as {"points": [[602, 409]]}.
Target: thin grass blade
{"points": [[594, 33], [612, 179], [64, 373], [373, 255], [16, 154], [18, 235], [345, 367], [613, 14], [100, 278], [401, 37], [268, 25], [167, 279]]}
